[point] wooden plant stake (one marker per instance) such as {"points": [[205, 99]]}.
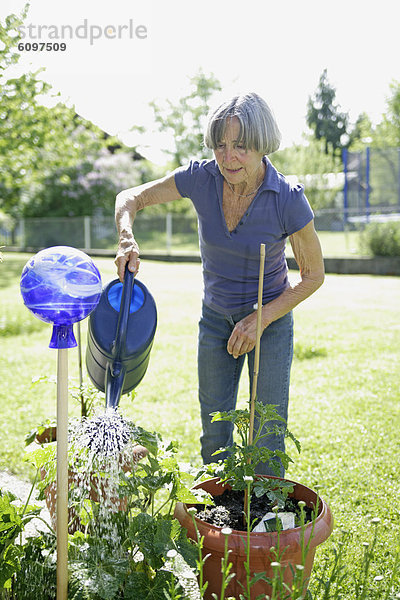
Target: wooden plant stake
{"points": [[256, 354], [62, 474]]}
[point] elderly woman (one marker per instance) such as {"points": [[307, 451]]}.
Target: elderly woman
{"points": [[241, 201]]}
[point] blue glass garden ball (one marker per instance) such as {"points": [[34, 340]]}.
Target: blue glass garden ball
{"points": [[60, 285]]}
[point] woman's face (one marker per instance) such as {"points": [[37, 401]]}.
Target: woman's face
{"points": [[236, 164]]}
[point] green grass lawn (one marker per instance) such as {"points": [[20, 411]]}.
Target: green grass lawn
{"points": [[338, 244], [344, 405], [334, 243]]}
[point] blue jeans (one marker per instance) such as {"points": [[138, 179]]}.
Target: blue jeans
{"points": [[219, 375]]}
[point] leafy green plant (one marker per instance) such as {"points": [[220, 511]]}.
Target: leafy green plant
{"points": [[382, 239], [13, 519], [88, 397], [37, 432], [135, 561], [38, 569], [243, 458], [138, 551], [226, 565], [239, 470]]}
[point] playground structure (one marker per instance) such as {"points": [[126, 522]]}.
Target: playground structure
{"points": [[371, 191]]}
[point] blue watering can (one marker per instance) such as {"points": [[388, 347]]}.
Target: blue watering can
{"points": [[120, 336]]}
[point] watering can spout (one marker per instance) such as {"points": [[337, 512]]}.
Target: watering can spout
{"points": [[115, 372], [114, 383]]}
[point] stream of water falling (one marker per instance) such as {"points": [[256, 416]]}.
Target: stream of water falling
{"points": [[102, 447], [105, 434]]}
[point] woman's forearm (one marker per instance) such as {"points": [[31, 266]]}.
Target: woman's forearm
{"points": [[127, 203], [308, 255], [130, 201], [290, 298], [243, 337], [125, 212]]}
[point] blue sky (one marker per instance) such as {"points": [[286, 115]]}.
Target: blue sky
{"points": [[277, 48]]}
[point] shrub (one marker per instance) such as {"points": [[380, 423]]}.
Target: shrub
{"points": [[382, 239]]}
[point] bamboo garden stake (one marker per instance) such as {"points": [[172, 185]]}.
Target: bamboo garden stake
{"points": [[257, 351]]}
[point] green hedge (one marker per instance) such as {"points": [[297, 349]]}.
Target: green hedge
{"points": [[382, 239]]}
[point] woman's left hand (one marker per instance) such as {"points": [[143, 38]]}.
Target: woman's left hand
{"points": [[243, 337]]}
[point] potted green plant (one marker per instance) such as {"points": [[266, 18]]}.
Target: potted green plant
{"points": [[255, 555]]}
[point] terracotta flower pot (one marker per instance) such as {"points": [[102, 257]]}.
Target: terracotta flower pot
{"points": [[260, 544], [97, 492]]}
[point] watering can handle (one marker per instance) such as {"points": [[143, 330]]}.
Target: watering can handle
{"points": [[122, 325]]}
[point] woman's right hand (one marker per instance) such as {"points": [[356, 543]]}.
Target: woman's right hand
{"points": [[127, 254]]}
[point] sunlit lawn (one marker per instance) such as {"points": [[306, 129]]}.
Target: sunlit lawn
{"points": [[344, 405], [334, 243]]}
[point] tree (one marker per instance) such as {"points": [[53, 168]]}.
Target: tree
{"points": [[387, 133], [87, 188], [325, 118], [362, 133], [186, 119], [309, 163], [34, 140]]}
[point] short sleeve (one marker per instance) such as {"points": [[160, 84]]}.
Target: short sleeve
{"points": [[186, 178], [296, 210]]}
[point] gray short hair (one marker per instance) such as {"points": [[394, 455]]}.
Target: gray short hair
{"points": [[258, 128]]}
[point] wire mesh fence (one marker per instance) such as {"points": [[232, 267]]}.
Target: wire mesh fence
{"points": [[372, 178], [340, 230], [371, 194]]}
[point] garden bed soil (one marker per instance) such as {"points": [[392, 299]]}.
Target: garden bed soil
{"points": [[228, 510]]}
